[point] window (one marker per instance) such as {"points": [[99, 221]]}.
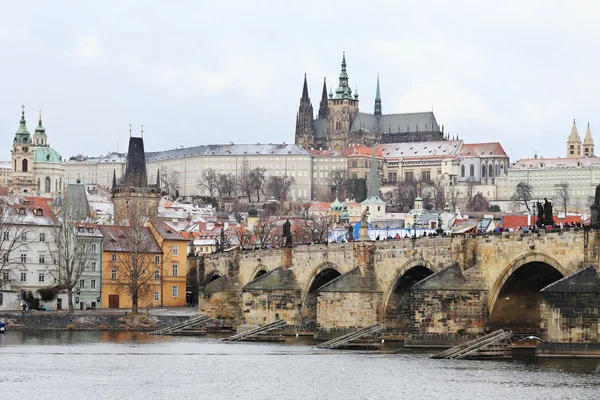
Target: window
{"points": [[354, 176], [23, 276], [491, 174], [354, 164], [156, 296], [42, 237], [113, 273], [175, 250], [462, 171], [94, 248], [409, 176], [41, 277], [483, 171], [24, 165], [93, 284], [113, 257], [175, 268], [5, 257], [24, 236], [1, 299], [93, 266], [23, 258], [175, 290], [157, 259], [6, 236], [42, 258], [156, 275], [426, 176], [81, 266], [472, 171], [47, 184], [81, 283], [5, 275], [392, 176]]}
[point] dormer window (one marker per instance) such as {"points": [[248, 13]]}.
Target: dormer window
{"points": [[22, 211], [39, 212]]}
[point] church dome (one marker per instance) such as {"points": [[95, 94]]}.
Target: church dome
{"points": [[46, 154], [336, 205]]}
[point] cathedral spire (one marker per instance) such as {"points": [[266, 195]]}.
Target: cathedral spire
{"points": [[323, 106], [22, 131], [305, 90], [377, 100], [343, 90]]}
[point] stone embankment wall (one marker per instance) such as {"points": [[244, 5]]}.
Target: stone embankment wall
{"points": [[87, 322]]}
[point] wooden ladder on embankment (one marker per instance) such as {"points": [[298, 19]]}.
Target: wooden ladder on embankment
{"points": [[366, 334], [493, 345], [255, 334], [185, 327]]}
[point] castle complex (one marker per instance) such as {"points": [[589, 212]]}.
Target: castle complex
{"points": [[340, 124]]}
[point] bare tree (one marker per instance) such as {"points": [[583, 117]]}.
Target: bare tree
{"points": [[453, 196], [264, 228], [336, 179], [279, 186], [209, 180], [562, 194], [15, 235], [135, 264], [244, 180], [226, 185], [315, 229], [74, 244], [479, 203], [523, 194], [258, 179], [438, 190], [243, 236], [169, 180], [469, 194]]}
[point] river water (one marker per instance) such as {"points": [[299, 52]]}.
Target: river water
{"points": [[115, 365]]}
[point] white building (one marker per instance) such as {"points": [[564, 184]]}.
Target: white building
{"points": [[28, 252]]}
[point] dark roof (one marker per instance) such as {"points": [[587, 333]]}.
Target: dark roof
{"points": [[582, 281], [135, 172], [165, 231], [396, 123], [76, 205], [352, 281], [128, 238], [277, 279], [450, 278], [227, 150]]}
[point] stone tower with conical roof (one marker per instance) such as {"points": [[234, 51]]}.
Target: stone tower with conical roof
{"points": [[343, 108], [304, 120], [135, 198], [22, 178], [574, 143], [588, 143]]}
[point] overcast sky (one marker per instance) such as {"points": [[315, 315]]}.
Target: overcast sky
{"points": [[196, 72]]}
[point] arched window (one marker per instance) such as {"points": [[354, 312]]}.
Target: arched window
{"points": [[462, 171], [483, 171], [47, 184], [472, 170], [24, 165], [497, 170], [492, 171]]}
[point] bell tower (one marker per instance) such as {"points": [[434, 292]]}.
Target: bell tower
{"points": [[22, 180]]}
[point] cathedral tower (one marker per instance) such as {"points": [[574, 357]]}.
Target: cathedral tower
{"points": [[304, 120], [343, 108], [377, 101], [588, 143], [574, 143]]}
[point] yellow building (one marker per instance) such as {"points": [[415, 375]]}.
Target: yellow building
{"points": [[173, 246], [153, 257]]}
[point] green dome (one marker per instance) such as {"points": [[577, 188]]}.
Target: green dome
{"points": [[336, 205], [46, 154]]}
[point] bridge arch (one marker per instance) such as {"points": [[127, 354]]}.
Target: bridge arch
{"points": [[396, 298], [212, 275], [258, 271], [321, 275], [513, 302]]}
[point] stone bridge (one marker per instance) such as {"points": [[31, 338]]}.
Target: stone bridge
{"points": [[427, 288]]}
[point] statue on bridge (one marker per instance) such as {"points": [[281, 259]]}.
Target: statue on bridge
{"points": [[287, 233], [595, 209], [544, 214]]}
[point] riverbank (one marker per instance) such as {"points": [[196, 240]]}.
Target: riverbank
{"points": [[95, 320]]}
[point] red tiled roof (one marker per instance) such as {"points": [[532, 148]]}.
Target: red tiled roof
{"points": [[492, 149], [361, 151], [128, 238]]}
